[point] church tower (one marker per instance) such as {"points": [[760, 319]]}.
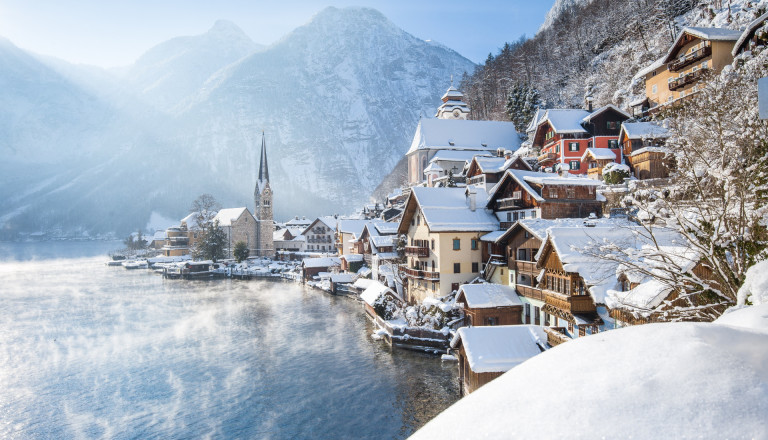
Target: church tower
{"points": [[262, 197], [453, 106]]}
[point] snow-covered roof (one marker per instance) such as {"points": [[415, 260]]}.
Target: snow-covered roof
{"points": [[352, 258], [524, 178], [650, 150], [649, 68], [321, 262], [483, 296], [535, 120], [644, 130], [386, 228], [446, 209], [160, 236], [456, 156], [433, 166], [751, 27], [342, 278], [225, 216], [492, 236], [685, 369], [495, 349], [599, 153], [491, 164], [565, 120], [191, 220], [452, 93], [459, 134], [296, 221], [354, 227], [589, 117], [363, 283], [645, 296], [374, 291], [705, 33], [383, 240]]}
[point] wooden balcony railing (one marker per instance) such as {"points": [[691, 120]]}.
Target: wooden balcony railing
{"points": [[683, 81], [509, 203], [556, 335], [526, 266], [421, 274], [417, 251], [570, 304], [477, 180], [546, 157], [530, 292], [691, 58]]}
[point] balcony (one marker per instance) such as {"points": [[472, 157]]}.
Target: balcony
{"points": [[556, 335], [509, 202], [546, 157], [417, 251], [683, 81], [530, 292], [526, 266], [421, 274], [691, 58], [570, 304], [477, 180]]}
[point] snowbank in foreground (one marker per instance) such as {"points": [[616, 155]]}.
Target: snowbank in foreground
{"points": [[677, 380], [755, 287]]}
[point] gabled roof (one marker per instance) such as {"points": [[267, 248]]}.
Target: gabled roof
{"points": [[354, 227], [650, 68], [710, 34], [643, 130], [496, 349], [535, 120], [374, 290], [191, 221], [446, 209], [321, 262], [751, 28], [225, 216], [459, 134], [599, 153], [602, 109], [485, 296], [525, 178], [565, 120]]}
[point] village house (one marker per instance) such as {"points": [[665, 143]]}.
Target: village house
{"points": [[239, 225], [564, 135], [484, 172], [485, 353], [312, 267], [180, 239], [289, 240], [455, 140], [490, 304], [158, 240], [347, 233], [678, 74], [528, 194], [378, 241], [596, 159], [443, 227], [321, 235], [643, 146]]}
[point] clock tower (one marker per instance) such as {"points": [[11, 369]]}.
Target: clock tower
{"points": [[453, 106]]}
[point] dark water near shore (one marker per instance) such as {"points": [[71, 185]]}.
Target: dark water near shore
{"points": [[90, 351]]}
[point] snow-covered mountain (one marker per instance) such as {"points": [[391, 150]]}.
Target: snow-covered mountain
{"points": [[338, 99], [560, 7]]}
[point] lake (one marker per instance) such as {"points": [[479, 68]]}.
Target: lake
{"points": [[90, 351]]}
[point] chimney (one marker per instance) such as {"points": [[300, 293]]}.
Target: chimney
{"points": [[472, 197], [500, 152], [588, 103]]}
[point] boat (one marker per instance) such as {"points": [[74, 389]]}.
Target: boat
{"points": [[135, 264]]}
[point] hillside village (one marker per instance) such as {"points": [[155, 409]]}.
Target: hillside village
{"points": [[501, 244]]}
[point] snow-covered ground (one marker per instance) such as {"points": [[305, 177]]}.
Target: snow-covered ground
{"points": [[674, 380]]}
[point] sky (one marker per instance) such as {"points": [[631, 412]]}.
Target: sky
{"points": [[111, 33]]}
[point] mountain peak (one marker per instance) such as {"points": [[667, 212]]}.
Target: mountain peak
{"points": [[228, 30]]}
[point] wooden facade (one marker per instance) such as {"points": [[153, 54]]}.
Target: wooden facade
{"points": [[486, 316], [469, 380]]}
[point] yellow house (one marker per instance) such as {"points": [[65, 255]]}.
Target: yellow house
{"points": [[443, 227], [677, 74]]}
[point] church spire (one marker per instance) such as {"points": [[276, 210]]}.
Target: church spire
{"points": [[263, 169]]}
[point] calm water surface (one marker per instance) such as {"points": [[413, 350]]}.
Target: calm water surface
{"points": [[90, 351]]}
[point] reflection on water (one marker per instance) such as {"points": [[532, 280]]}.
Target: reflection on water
{"points": [[89, 351]]}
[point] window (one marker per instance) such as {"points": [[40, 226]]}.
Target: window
{"points": [[575, 164], [591, 189], [456, 267], [456, 244], [475, 267], [552, 193], [515, 216], [613, 143], [537, 315], [705, 65], [612, 125], [570, 192], [655, 89], [434, 286], [433, 244], [522, 216], [533, 214], [527, 234], [573, 146], [509, 216], [433, 265], [492, 320], [418, 220], [474, 244], [527, 313], [557, 148]]}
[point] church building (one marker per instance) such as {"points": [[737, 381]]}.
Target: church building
{"points": [[262, 195]]}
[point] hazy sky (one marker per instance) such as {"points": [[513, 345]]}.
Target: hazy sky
{"points": [[112, 33]]}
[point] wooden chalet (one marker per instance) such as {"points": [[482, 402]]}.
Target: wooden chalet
{"points": [[677, 75], [485, 353], [311, 267], [596, 159], [486, 171], [490, 304], [563, 135], [527, 194], [643, 146]]}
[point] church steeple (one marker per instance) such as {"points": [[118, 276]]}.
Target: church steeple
{"points": [[263, 169], [453, 106]]}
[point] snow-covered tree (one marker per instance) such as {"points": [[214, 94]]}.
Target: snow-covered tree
{"points": [[205, 208], [211, 243], [718, 197], [241, 251], [522, 103]]}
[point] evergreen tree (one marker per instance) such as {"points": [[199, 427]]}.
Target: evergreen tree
{"points": [[522, 103], [241, 251], [211, 243]]}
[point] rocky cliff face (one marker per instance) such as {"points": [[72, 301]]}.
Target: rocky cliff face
{"points": [[338, 98]]}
